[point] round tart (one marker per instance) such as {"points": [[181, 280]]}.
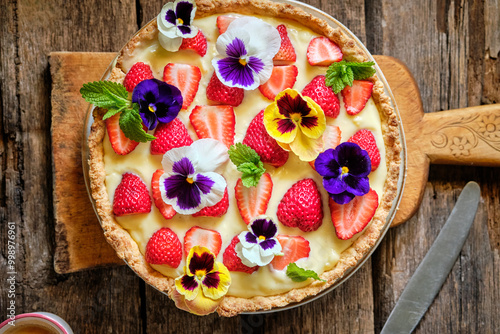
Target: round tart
{"points": [[269, 177]]}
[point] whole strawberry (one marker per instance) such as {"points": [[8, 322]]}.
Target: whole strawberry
{"points": [[137, 73], [170, 135], [231, 260], [265, 146], [218, 92], [198, 44], [131, 196], [365, 139], [323, 95], [301, 206], [164, 247]]}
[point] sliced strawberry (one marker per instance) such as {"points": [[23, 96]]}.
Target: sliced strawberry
{"points": [[365, 139], [231, 260], [186, 78], [216, 210], [120, 144], [253, 201], [164, 247], [322, 52], [223, 22], [198, 44], [352, 217], [323, 96], [294, 248], [137, 73], [286, 53], [166, 210], [197, 236], [332, 137], [283, 77], [355, 97], [215, 122], [131, 196], [169, 136], [219, 93]]}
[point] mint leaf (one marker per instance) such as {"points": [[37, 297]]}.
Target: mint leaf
{"points": [[105, 94], [298, 274], [248, 162], [343, 73], [112, 112], [131, 125], [240, 153], [251, 173], [363, 70]]}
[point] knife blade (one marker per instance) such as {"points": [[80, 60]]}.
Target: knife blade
{"points": [[430, 275]]}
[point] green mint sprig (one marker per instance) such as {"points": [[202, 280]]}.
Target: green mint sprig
{"points": [[298, 274], [114, 97], [343, 73], [248, 162]]}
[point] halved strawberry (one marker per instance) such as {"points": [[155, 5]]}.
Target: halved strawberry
{"points": [[170, 135], [355, 97], [322, 52], [186, 78], [223, 22], [231, 260], [294, 248], [198, 44], [131, 196], [197, 236], [323, 95], [222, 94], [332, 137], [253, 201], [215, 122], [166, 210], [282, 77], [216, 210], [365, 139], [137, 73], [352, 217], [286, 53], [120, 144]]}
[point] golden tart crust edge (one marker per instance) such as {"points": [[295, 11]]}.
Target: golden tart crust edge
{"points": [[128, 250]]}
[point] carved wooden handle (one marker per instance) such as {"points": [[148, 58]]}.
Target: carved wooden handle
{"points": [[469, 136]]}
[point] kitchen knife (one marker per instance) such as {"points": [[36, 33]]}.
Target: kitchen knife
{"points": [[437, 263]]}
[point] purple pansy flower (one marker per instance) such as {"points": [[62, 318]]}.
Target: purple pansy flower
{"points": [[174, 23], [158, 102], [190, 182], [345, 171], [259, 246], [246, 52]]}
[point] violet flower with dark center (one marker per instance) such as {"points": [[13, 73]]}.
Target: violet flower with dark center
{"points": [[174, 23], [259, 246], [345, 171]]}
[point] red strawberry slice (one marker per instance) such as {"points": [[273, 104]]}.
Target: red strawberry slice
{"points": [[223, 22], [352, 217], [231, 260], [332, 137], [131, 196], [186, 78], [216, 210], [120, 144], [218, 93], [286, 53], [169, 136], [253, 201], [166, 210], [282, 77], [198, 44], [215, 122], [355, 97], [301, 206], [137, 73], [322, 52], [323, 95], [265, 146], [197, 236], [365, 139], [294, 248], [164, 247]]}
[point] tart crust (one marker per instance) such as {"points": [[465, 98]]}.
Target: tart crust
{"points": [[128, 250]]}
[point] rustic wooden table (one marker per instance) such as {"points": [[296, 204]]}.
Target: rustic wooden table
{"points": [[452, 49]]}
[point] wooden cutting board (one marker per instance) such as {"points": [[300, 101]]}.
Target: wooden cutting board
{"points": [[469, 136]]}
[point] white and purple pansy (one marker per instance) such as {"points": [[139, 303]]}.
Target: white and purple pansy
{"points": [[246, 52], [259, 246], [174, 23], [190, 181]]}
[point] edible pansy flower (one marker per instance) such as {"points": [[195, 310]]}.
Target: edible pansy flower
{"points": [[190, 182], [345, 171], [297, 123], [204, 283], [174, 23], [158, 101], [259, 246], [246, 52]]}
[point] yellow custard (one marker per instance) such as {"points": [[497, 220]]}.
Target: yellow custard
{"points": [[325, 246]]}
